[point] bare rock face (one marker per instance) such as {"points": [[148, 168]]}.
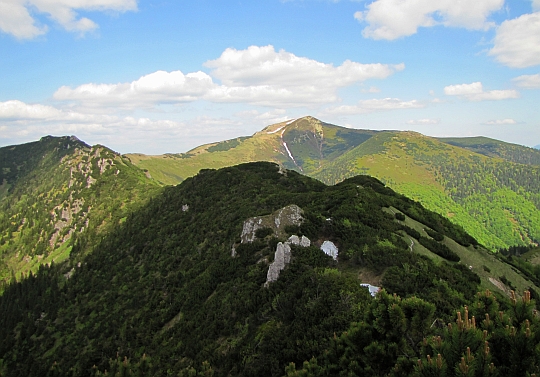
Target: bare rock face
{"points": [[250, 227], [295, 240], [373, 290], [330, 249], [290, 215], [281, 259], [277, 221]]}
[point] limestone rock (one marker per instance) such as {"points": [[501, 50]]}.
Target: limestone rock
{"points": [[290, 215], [283, 256], [281, 259], [277, 221], [295, 240], [330, 249], [373, 290], [250, 227]]}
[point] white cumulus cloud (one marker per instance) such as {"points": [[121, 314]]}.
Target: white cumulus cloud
{"points": [[423, 122], [372, 89], [19, 120], [528, 81], [501, 122], [517, 42], [392, 19], [264, 76], [268, 117], [257, 75], [157, 87], [266, 66], [15, 110], [16, 16], [475, 92], [372, 105]]}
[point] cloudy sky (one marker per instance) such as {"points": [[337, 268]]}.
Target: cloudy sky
{"points": [[157, 76]]}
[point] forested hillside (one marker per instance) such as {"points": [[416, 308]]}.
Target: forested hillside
{"points": [[59, 190], [495, 200], [182, 287], [496, 148], [487, 186]]}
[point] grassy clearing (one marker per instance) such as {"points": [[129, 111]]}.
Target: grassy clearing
{"points": [[480, 260]]}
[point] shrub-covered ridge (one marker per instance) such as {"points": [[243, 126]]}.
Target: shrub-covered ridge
{"points": [[162, 295]]}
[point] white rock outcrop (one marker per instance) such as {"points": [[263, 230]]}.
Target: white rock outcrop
{"points": [[282, 256], [277, 221], [373, 290], [295, 240], [330, 249], [281, 259], [250, 227], [290, 215]]}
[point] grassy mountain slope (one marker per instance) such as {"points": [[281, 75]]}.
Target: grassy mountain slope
{"points": [[165, 284], [495, 200], [487, 186], [496, 148], [312, 144], [57, 190]]}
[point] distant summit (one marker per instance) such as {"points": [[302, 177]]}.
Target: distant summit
{"points": [[537, 146]]}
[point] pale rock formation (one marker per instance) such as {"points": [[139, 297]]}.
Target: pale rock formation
{"points": [[277, 221], [290, 215], [283, 256], [295, 240], [281, 259], [330, 249], [250, 227], [372, 289]]}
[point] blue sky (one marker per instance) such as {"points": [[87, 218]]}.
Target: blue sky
{"points": [[166, 76]]}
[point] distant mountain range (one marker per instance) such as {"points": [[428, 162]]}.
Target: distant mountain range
{"points": [[537, 146], [489, 187]]}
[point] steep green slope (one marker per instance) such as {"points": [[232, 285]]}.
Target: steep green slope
{"points": [[496, 148], [175, 290], [496, 201], [57, 190]]}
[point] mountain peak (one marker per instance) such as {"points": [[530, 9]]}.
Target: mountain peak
{"points": [[304, 122]]}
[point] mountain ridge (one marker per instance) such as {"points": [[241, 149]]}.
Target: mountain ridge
{"points": [[56, 191], [164, 287], [327, 152]]}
